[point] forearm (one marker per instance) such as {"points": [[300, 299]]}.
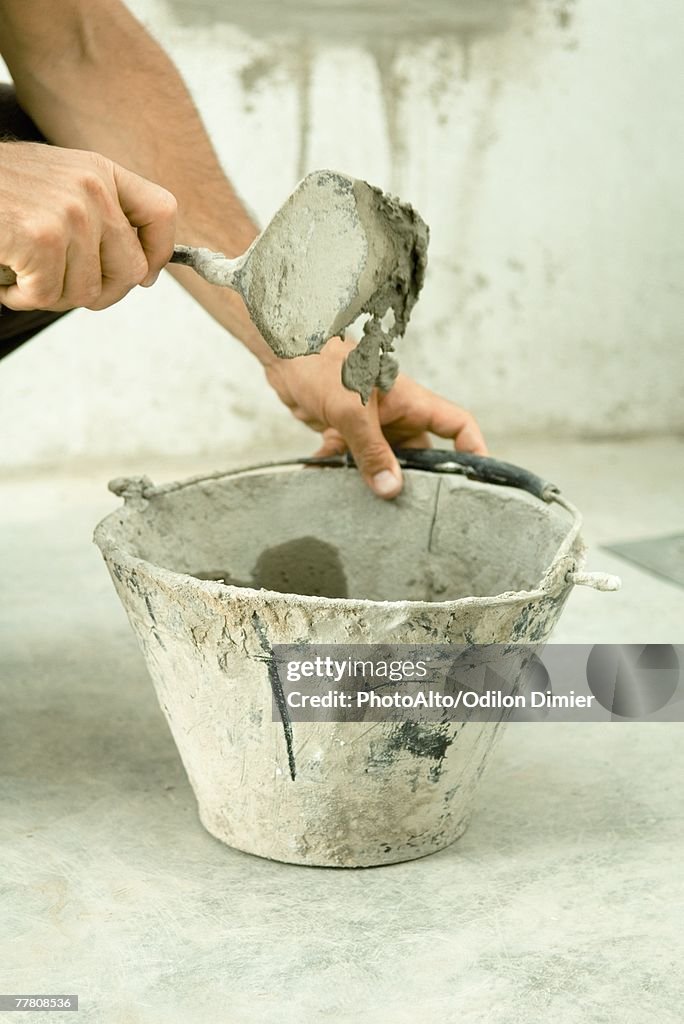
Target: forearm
{"points": [[94, 79]]}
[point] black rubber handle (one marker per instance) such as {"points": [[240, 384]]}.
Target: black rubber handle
{"points": [[184, 255], [476, 467]]}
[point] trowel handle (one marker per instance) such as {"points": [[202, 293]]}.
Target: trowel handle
{"points": [[186, 255], [201, 260], [214, 267]]}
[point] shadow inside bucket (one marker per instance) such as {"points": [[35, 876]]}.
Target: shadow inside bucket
{"points": [[303, 566]]}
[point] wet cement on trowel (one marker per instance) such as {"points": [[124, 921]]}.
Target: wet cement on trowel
{"points": [[337, 249], [398, 277]]}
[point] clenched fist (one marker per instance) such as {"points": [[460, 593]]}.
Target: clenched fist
{"points": [[78, 229]]}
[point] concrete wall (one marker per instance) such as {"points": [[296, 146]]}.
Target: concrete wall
{"points": [[542, 141]]}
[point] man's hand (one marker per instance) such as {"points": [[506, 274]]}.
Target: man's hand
{"points": [[89, 99], [77, 229], [310, 386]]}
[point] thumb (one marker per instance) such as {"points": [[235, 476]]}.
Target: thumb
{"points": [[152, 210], [360, 427]]}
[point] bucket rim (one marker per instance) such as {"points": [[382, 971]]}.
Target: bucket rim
{"points": [[139, 491]]}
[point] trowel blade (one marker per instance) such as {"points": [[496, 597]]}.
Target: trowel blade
{"points": [[301, 275]]}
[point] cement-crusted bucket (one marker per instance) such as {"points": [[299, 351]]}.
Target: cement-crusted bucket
{"points": [[473, 551]]}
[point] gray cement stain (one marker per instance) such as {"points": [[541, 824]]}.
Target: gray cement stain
{"points": [[303, 566], [259, 69], [354, 21], [380, 26]]}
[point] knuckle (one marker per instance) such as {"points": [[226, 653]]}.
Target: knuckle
{"points": [[46, 234], [168, 205], [76, 213], [373, 455], [93, 186]]}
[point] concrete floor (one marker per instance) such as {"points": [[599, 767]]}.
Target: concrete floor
{"points": [[560, 904]]}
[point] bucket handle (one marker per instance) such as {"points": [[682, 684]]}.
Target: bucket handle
{"points": [[433, 460], [476, 467]]}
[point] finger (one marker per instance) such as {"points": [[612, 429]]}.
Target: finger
{"points": [[123, 264], [449, 420], [152, 210], [333, 444], [40, 288], [416, 441], [83, 275], [361, 430]]}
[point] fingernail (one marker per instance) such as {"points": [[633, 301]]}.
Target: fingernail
{"points": [[385, 482], [149, 281]]}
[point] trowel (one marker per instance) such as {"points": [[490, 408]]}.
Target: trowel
{"points": [[337, 248]]}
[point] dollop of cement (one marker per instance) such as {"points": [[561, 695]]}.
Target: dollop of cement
{"points": [[398, 240]]}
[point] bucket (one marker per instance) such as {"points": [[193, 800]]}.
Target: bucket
{"points": [[214, 570]]}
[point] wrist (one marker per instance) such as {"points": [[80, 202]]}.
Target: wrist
{"points": [[331, 356]]}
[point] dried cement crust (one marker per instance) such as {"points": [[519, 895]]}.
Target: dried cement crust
{"points": [[335, 794]]}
